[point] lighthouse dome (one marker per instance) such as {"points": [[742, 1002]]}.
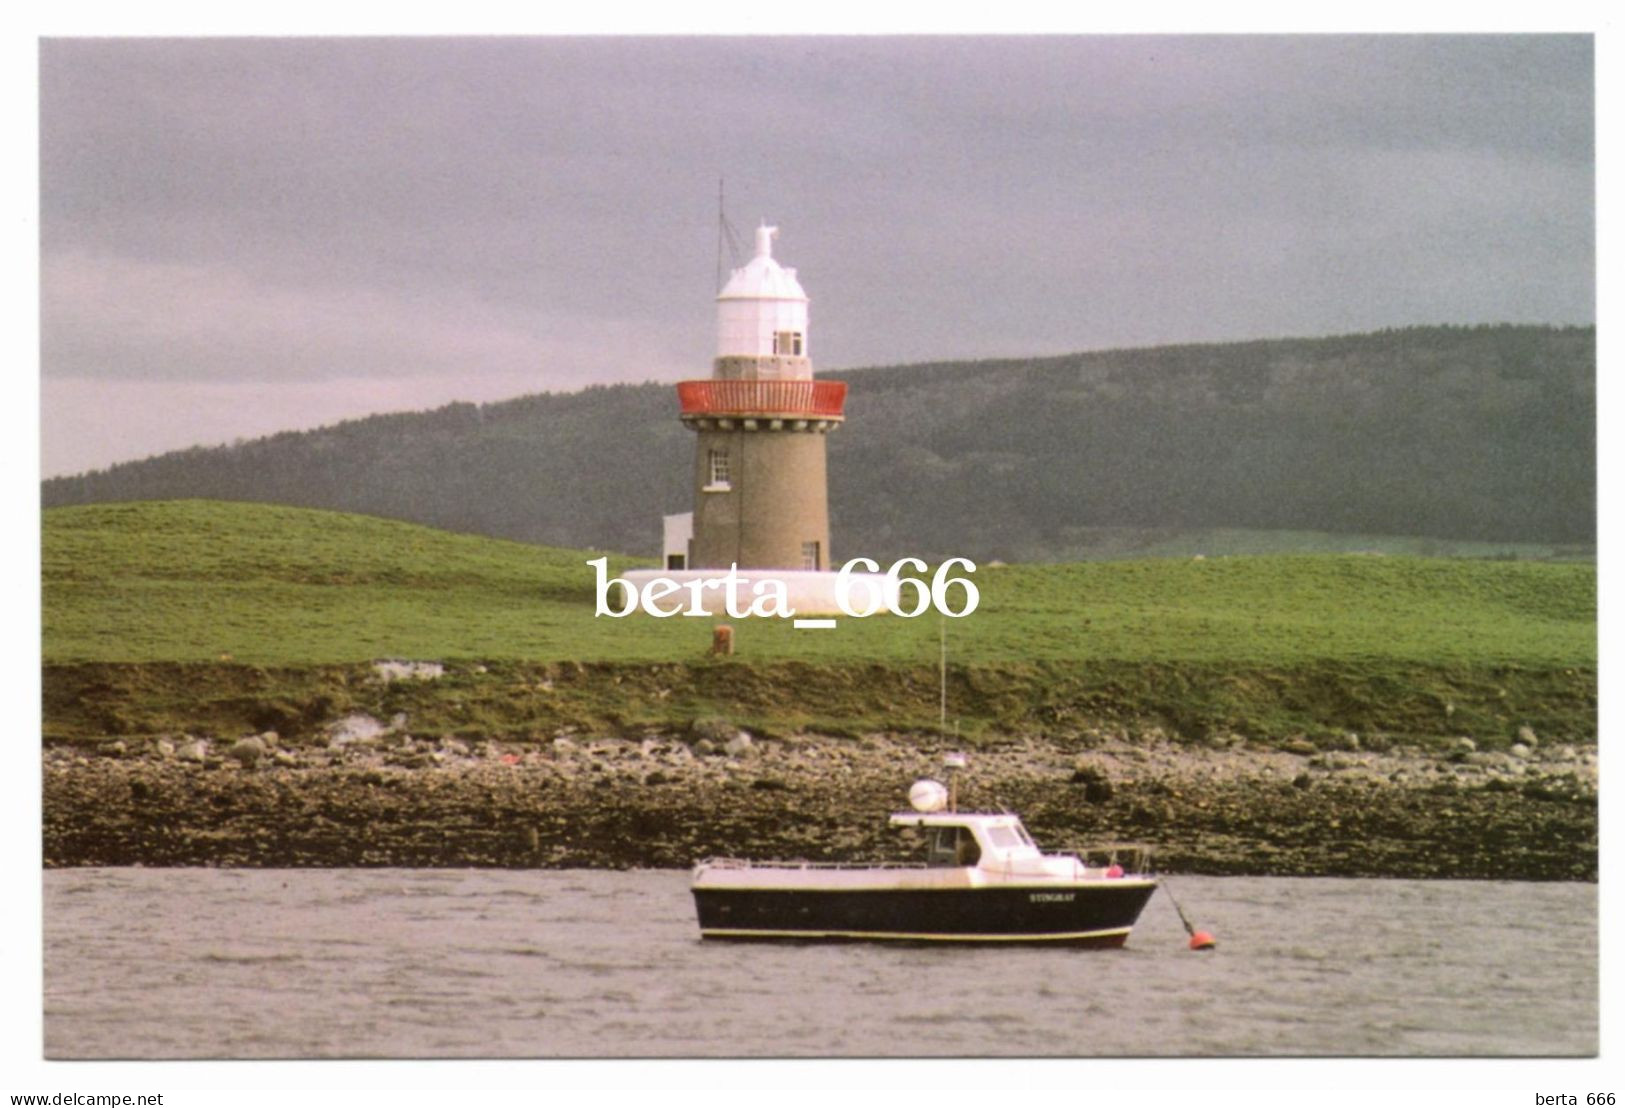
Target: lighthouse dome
{"points": [[762, 313], [762, 278]]}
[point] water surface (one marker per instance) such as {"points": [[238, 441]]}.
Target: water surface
{"points": [[192, 963]]}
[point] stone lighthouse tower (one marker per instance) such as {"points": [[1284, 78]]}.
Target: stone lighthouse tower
{"points": [[760, 500]]}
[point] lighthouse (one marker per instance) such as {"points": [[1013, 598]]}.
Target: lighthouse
{"points": [[760, 492], [761, 501]]}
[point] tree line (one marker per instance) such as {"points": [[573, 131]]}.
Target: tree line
{"points": [[1466, 433]]}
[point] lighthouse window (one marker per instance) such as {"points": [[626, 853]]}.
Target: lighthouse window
{"points": [[809, 555], [717, 461], [787, 342]]}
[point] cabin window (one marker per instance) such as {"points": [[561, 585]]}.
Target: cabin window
{"points": [[675, 561], [1005, 838], [717, 469], [954, 846], [809, 555], [967, 851], [787, 342]]}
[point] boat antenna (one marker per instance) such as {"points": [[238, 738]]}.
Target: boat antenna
{"points": [[952, 763]]}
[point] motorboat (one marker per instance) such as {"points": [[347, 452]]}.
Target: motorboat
{"points": [[982, 880]]}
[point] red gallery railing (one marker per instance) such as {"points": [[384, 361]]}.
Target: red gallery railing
{"points": [[803, 399]]}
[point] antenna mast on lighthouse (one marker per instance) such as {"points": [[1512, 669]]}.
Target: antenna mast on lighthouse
{"points": [[725, 233], [722, 223]]}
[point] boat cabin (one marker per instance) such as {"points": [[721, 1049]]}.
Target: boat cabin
{"points": [[969, 839]]}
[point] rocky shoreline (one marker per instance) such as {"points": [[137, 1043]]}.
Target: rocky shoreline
{"points": [[365, 791]]}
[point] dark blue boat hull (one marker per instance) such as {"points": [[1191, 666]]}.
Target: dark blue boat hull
{"points": [[1097, 915]]}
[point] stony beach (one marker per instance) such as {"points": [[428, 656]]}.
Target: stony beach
{"points": [[367, 791]]}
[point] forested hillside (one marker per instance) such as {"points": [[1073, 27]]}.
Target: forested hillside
{"points": [[1484, 433]]}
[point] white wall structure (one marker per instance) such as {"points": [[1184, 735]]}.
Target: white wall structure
{"points": [[677, 531], [760, 307]]}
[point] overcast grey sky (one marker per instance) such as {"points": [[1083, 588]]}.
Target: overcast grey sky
{"points": [[243, 236]]}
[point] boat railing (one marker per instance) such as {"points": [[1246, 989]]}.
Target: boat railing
{"points": [[1132, 857], [748, 863]]}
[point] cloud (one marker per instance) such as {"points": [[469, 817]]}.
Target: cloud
{"points": [[91, 424], [299, 210], [112, 317]]}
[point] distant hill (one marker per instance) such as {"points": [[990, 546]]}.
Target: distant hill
{"points": [[1483, 435]]}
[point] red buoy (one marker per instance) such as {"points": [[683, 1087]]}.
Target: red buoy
{"points": [[1200, 940]]}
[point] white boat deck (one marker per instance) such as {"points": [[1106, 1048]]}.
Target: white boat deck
{"points": [[966, 851]]}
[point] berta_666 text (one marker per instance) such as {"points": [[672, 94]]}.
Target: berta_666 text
{"points": [[760, 593]]}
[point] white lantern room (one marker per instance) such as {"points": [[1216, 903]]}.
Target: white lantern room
{"points": [[762, 310]]}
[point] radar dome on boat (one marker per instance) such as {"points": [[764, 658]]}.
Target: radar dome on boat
{"points": [[927, 795]]}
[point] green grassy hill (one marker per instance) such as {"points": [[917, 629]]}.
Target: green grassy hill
{"points": [[195, 580], [1266, 644]]}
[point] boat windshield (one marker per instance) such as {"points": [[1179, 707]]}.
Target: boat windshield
{"points": [[1007, 838]]}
